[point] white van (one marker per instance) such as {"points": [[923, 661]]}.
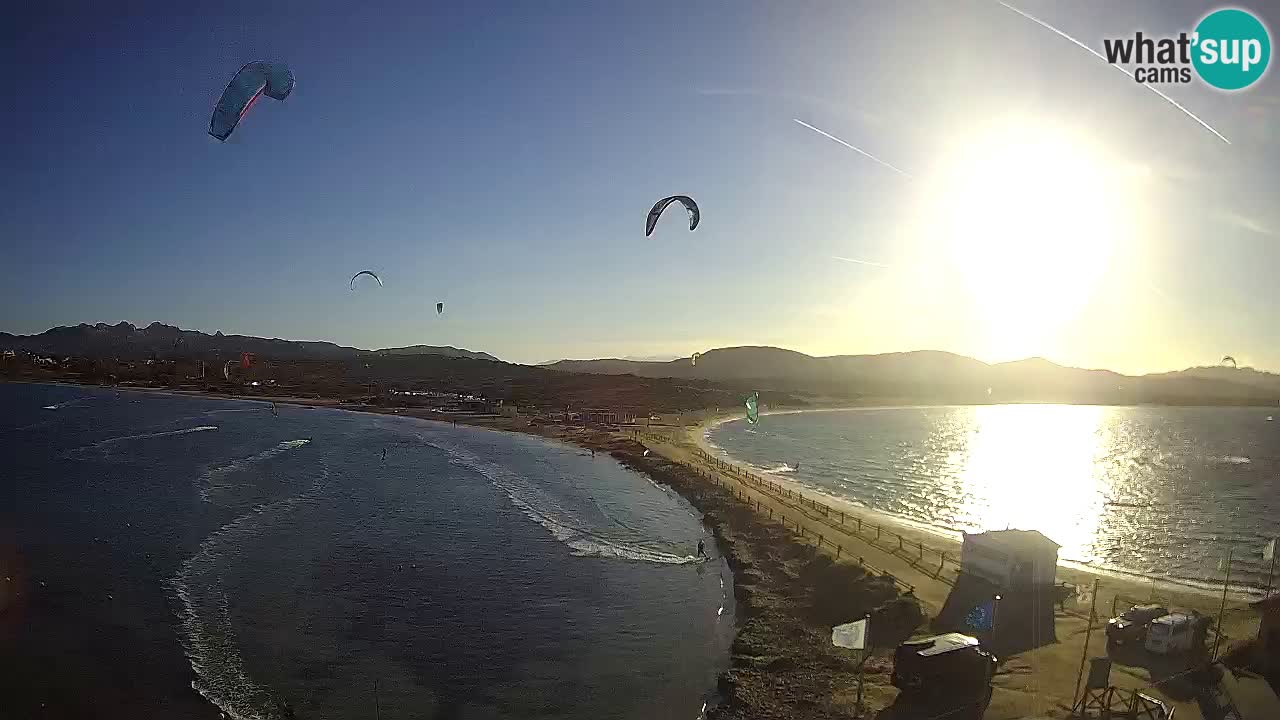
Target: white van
{"points": [[1174, 633]]}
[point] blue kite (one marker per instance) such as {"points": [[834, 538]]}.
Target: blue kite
{"points": [[253, 81]]}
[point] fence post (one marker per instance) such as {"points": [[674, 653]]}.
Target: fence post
{"points": [[942, 563], [899, 542], [859, 526], [841, 517], [922, 550], [819, 539], [838, 551]]}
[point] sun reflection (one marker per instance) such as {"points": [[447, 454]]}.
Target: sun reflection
{"points": [[1034, 467]]}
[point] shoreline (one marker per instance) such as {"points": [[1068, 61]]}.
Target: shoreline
{"points": [[773, 637], [695, 433], [951, 537], [780, 663]]}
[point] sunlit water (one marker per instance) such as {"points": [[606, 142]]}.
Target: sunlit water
{"points": [[176, 557], [1154, 491]]}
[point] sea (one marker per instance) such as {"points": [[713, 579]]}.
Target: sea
{"points": [[170, 556], [1166, 493]]}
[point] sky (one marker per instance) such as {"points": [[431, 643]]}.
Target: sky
{"points": [[501, 158]]}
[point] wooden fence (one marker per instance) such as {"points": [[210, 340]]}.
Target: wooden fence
{"points": [[921, 556]]}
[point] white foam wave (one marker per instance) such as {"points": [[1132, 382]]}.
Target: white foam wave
{"points": [[104, 444], [66, 404], [779, 469], [207, 633], [540, 508], [1231, 460], [213, 480]]}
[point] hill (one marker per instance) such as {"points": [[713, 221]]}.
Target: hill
{"points": [[933, 376], [157, 340], [165, 356], [445, 350]]}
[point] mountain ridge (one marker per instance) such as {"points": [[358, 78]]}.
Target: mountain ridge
{"points": [[158, 339], [917, 376], [948, 375]]}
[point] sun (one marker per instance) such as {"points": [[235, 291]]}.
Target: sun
{"points": [[1030, 217]]}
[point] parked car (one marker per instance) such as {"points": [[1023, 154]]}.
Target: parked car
{"points": [[1177, 633], [1131, 625], [948, 670]]}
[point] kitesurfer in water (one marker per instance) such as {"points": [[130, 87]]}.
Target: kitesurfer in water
{"points": [[384, 453], [702, 548]]}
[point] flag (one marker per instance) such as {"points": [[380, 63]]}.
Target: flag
{"points": [[1269, 550], [850, 635], [982, 616]]}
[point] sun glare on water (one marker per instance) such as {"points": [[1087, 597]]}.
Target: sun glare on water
{"points": [[1030, 219], [1035, 467]]}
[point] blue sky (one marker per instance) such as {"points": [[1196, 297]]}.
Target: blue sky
{"points": [[501, 157]]}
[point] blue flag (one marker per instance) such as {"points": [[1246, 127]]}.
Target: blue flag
{"points": [[982, 616]]}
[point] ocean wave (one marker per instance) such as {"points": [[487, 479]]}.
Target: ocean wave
{"points": [[67, 404], [779, 469], [102, 445], [562, 524], [208, 637], [212, 480], [1231, 460]]}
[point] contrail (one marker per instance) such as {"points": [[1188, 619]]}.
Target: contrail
{"points": [[857, 150], [859, 262], [1100, 56]]}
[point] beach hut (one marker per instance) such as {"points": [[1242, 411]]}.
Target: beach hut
{"points": [[1004, 593], [1010, 558]]}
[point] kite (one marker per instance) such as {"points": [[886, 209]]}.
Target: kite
{"points": [[253, 81], [693, 359], [662, 204], [439, 308], [370, 273], [1227, 359], [753, 408]]}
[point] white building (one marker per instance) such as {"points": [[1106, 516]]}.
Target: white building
{"points": [[1010, 558]]}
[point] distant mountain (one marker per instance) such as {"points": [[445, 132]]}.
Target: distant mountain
{"points": [[446, 350], [126, 340], [933, 376], [624, 358]]}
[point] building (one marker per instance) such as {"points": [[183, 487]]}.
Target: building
{"points": [[601, 416], [1010, 558], [1004, 593]]}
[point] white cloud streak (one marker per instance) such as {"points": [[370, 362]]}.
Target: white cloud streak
{"points": [[860, 151], [855, 261], [1100, 56]]}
